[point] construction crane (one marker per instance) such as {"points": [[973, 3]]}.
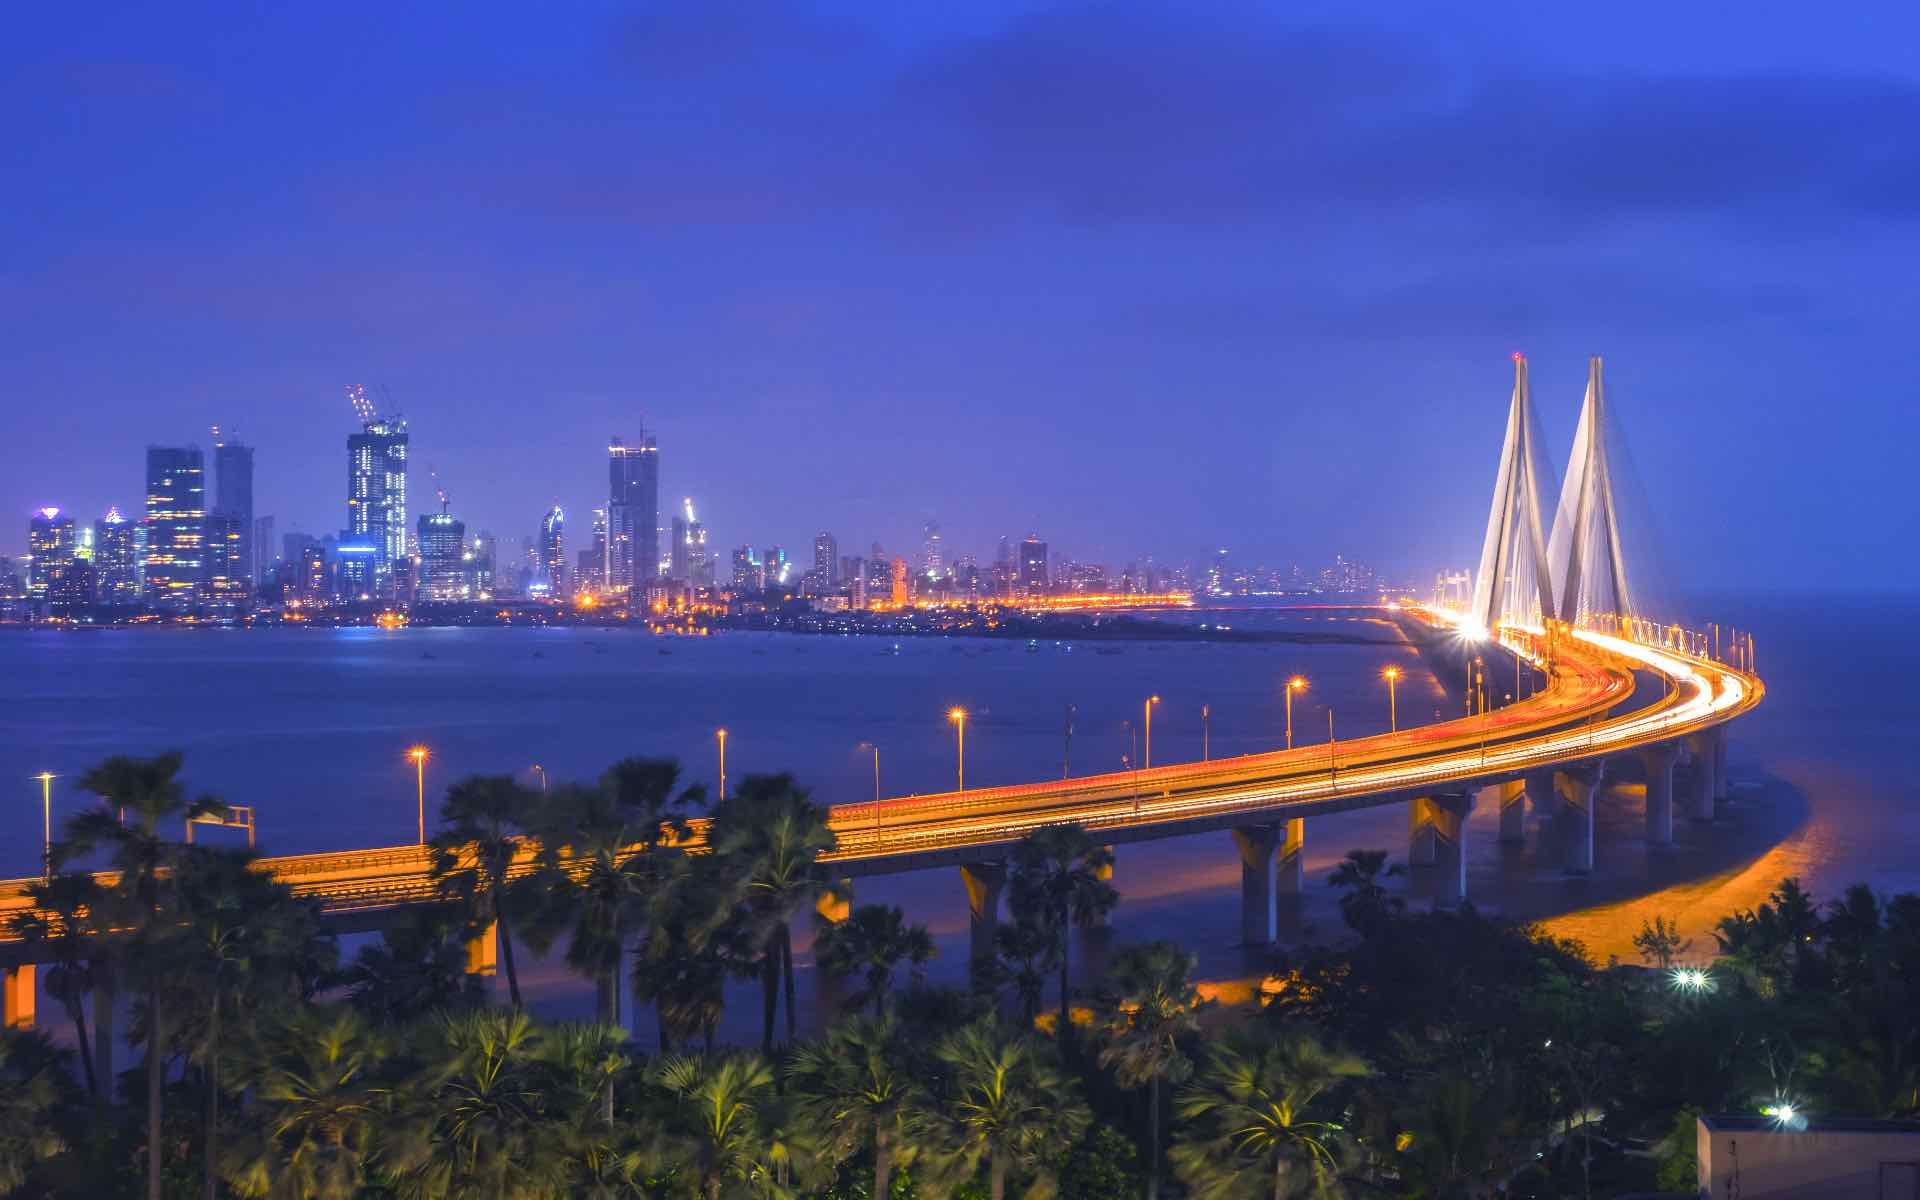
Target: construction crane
{"points": [[362, 407]]}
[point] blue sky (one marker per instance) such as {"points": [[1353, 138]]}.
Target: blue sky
{"points": [[1143, 278]]}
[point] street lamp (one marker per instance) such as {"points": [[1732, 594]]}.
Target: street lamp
{"points": [[720, 735], [1206, 733], [1333, 768], [1148, 707], [46, 821], [419, 756], [959, 718], [1066, 751], [875, 750], [1392, 676], [1297, 684], [542, 772]]}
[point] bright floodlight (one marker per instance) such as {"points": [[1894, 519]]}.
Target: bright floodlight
{"points": [[417, 753], [1691, 979], [1298, 683], [956, 714]]}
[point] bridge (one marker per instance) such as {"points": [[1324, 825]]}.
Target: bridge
{"points": [[1551, 751]]}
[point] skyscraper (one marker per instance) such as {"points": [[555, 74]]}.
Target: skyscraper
{"points": [[263, 548], [176, 526], [592, 575], [377, 494], [1033, 565], [633, 513], [51, 543], [233, 497], [226, 550], [443, 573], [933, 562], [749, 574], [116, 559], [826, 560], [553, 552]]}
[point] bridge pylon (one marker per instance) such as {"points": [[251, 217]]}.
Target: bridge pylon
{"points": [[1589, 569], [1514, 582]]}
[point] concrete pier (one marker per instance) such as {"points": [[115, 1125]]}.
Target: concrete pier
{"points": [[1512, 799], [1256, 844], [1658, 760], [1289, 867], [1447, 814], [1702, 788], [483, 952], [836, 904], [1420, 847], [984, 882], [1574, 823], [17, 997]]}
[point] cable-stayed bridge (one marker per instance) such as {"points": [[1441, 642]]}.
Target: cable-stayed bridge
{"points": [[1553, 598]]}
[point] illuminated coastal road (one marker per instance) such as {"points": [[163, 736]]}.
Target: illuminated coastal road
{"points": [[1581, 717]]}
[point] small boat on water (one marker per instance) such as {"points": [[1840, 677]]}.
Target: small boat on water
{"points": [[1033, 645]]}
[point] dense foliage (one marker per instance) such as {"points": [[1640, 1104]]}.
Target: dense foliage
{"points": [[1425, 1054]]}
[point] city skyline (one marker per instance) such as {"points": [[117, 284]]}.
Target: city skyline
{"points": [[1256, 287]]}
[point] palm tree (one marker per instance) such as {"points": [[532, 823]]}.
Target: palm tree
{"points": [[28, 1098], [319, 1104], [1005, 1106], [477, 1121], [61, 929], [148, 796], [1154, 1004], [1025, 953], [873, 940], [1259, 1118], [482, 821], [1366, 903], [587, 1062], [699, 936], [603, 862], [772, 835], [416, 967], [710, 1132], [859, 1085], [1059, 880]]}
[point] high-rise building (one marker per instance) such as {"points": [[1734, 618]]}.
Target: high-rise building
{"points": [[749, 573], [176, 526], [377, 495], [553, 552], [592, 573], [443, 573], [315, 583], [51, 546], [826, 560], [486, 549], [933, 562], [116, 559], [1033, 565], [233, 497], [264, 551], [899, 583], [70, 596], [226, 549], [689, 559], [773, 561], [633, 512]]}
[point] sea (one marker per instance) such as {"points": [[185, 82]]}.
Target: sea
{"points": [[312, 727]]}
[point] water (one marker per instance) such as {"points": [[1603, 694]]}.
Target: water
{"points": [[311, 727]]}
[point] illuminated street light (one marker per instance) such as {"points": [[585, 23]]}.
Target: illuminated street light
{"points": [[542, 772], [959, 718], [46, 779], [1392, 676], [1297, 684], [419, 756], [875, 750], [1206, 733], [1148, 747], [720, 735], [1691, 980]]}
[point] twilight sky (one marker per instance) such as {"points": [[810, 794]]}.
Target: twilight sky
{"points": [[1144, 278]]}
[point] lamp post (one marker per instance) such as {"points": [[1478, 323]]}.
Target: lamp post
{"points": [[1297, 684], [1392, 676], [419, 756], [46, 822], [1206, 733], [542, 773], [875, 751], [1066, 752], [1333, 766], [959, 718], [720, 735], [1148, 747]]}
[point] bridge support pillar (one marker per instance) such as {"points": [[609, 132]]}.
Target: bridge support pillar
{"points": [[1722, 791], [483, 952], [1702, 788], [1105, 875], [1658, 760], [836, 903], [18, 997], [1448, 815], [1289, 868], [1512, 798], [1420, 848], [984, 882], [1256, 844], [1575, 820]]}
